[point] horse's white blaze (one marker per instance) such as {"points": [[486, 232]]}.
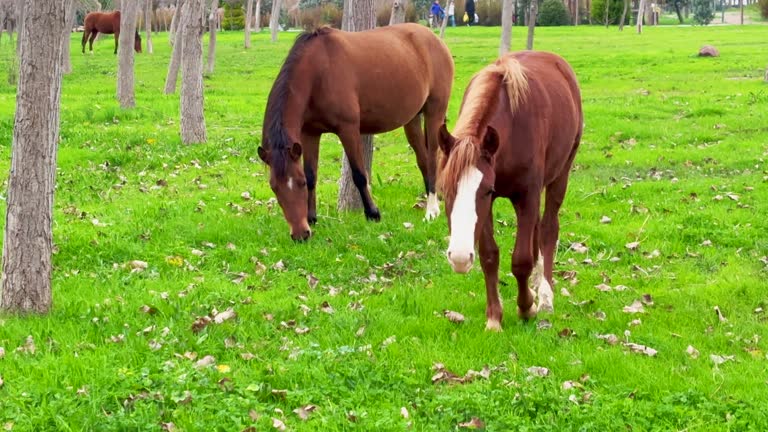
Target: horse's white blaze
{"points": [[461, 247], [433, 207], [290, 183], [542, 287]]}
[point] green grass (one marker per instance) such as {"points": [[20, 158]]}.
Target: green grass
{"points": [[666, 133]]}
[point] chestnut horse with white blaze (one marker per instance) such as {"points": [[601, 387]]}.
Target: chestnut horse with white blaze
{"points": [[107, 23], [348, 84], [517, 134]]}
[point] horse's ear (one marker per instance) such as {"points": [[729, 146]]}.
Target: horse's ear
{"points": [[295, 151], [446, 140], [490, 142], [264, 155]]}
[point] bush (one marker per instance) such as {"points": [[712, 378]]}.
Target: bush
{"points": [[615, 8], [384, 12], [489, 12], [315, 17], [702, 12], [234, 18], [553, 13], [763, 4]]}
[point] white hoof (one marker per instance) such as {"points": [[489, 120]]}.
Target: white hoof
{"points": [[433, 207], [546, 297], [493, 325]]}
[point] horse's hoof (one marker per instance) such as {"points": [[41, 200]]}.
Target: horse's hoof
{"points": [[373, 215], [530, 313], [433, 208], [493, 325], [312, 220]]}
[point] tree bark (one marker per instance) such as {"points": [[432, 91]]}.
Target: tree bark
{"points": [[507, 12], [274, 19], [741, 12], [257, 19], [532, 24], [677, 10], [66, 39], [623, 15], [607, 18], [192, 118], [175, 22], [148, 25], [178, 42], [13, 65], [125, 79], [640, 15], [358, 15], [444, 23], [248, 20], [28, 243], [398, 12], [213, 22]]}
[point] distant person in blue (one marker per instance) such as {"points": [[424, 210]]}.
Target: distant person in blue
{"points": [[469, 7], [437, 14]]}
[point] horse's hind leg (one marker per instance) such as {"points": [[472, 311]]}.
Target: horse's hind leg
{"points": [[93, 38], [85, 39], [353, 147], [489, 260], [415, 138], [523, 257]]}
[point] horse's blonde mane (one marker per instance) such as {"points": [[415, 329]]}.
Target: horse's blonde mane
{"points": [[480, 102]]}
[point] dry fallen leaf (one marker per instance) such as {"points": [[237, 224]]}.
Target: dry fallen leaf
{"points": [[475, 423], [718, 359], [538, 371], [564, 292], [247, 356], [610, 339], [453, 316], [543, 325], [303, 412], [404, 412], [1, 381], [150, 310], [635, 307], [647, 300], [312, 280], [360, 331], [579, 248], [632, 246], [278, 424], [720, 315], [408, 225], [327, 308], [200, 323], [566, 332], [279, 266], [223, 316], [691, 351], [205, 362], [2, 352], [599, 315], [169, 427], [706, 243], [138, 266], [603, 287], [605, 220], [642, 349]]}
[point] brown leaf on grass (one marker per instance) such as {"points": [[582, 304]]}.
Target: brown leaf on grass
{"points": [[444, 375], [155, 345], [632, 246], [327, 308], [268, 317], [137, 266], [543, 325], [360, 332], [599, 315], [288, 324], [28, 347], [579, 248], [240, 278], [620, 288], [538, 371], [706, 243], [454, 317], [230, 342], [223, 316], [278, 424], [564, 292], [610, 339], [647, 300], [635, 307], [303, 412], [206, 361], [732, 196], [641, 349], [169, 427], [249, 429], [635, 322], [312, 281], [301, 330], [691, 351], [407, 225], [566, 332], [720, 359], [305, 309], [567, 385], [253, 415], [247, 356], [200, 323], [603, 287], [149, 310], [720, 315], [474, 423], [605, 220]]}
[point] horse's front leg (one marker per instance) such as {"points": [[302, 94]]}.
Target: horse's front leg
{"points": [[311, 144], [523, 257], [489, 261], [117, 39], [353, 147]]}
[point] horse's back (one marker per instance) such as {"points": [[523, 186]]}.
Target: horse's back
{"points": [[103, 22]]}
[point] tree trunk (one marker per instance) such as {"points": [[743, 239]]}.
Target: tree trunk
{"points": [[28, 242], [148, 25], [257, 18], [178, 42], [66, 39], [589, 12], [175, 22], [765, 78], [677, 10], [13, 65], [623, 15], [532, 24], [741, 11], [212, 24], [192, 118], [125, 79], [444, 24], [398, 12], [507, 13], [358, 15], [606, 18], [274, 19], [248, 20], [640, 15], [722, 11]]}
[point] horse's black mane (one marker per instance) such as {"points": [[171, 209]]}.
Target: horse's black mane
{"points": [[278, 140]]}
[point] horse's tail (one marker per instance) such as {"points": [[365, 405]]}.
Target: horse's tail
{"points": [[515, 79]]}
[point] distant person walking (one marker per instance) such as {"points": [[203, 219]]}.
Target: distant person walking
{"points": [[451, 14], [437, 14], [469, 15]]}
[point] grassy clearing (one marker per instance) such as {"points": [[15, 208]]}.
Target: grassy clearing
{"points": [[668, 137]]}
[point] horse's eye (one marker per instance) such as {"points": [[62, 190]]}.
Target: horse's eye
{"points": [[301, 184]]}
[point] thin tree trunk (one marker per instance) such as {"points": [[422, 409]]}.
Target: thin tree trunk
{"points": [[274, 19], [607, 18], [125, 78], [257, 18], [623, 15], [28, 243], [741, 12], [178, 42], [589, 12], [67, 37], [148, 25], [192, 118], [248, 19], [722, 11], [13, 65], [175, 22], [358, 15], [398, 12], [507, 13], [212, 24], [444, 24], [640, 15], [532, 24]]}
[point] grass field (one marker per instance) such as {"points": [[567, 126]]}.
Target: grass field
{"points": [[673, 153]]}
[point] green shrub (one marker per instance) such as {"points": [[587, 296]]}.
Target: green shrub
{"points": [[315, 17], [702, 12], [234, 18], [615, 8], [763, 4], [553, 13]]}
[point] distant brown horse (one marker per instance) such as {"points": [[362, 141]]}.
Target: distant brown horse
{"points": [[517, 134], [108, 23], [347, 84]]}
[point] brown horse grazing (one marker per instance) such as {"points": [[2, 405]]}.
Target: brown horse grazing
{"points": [[517, 134], [351, 83], [108, 23]]}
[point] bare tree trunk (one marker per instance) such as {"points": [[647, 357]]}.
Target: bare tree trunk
{"points": [[212, 26], [606, 18], [765, 78], [623, 15], [66, 39], [148, 25], [178, 42], [532, 24], [248, 19], [175, 22], [28, 243], [257, 19], [192, 118], [13, 65], [125, 78], [640, 15], [741, 12], [507, 12], [274, 19], [589, 12], [398, 12], [358, 15], [444, 24]]}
